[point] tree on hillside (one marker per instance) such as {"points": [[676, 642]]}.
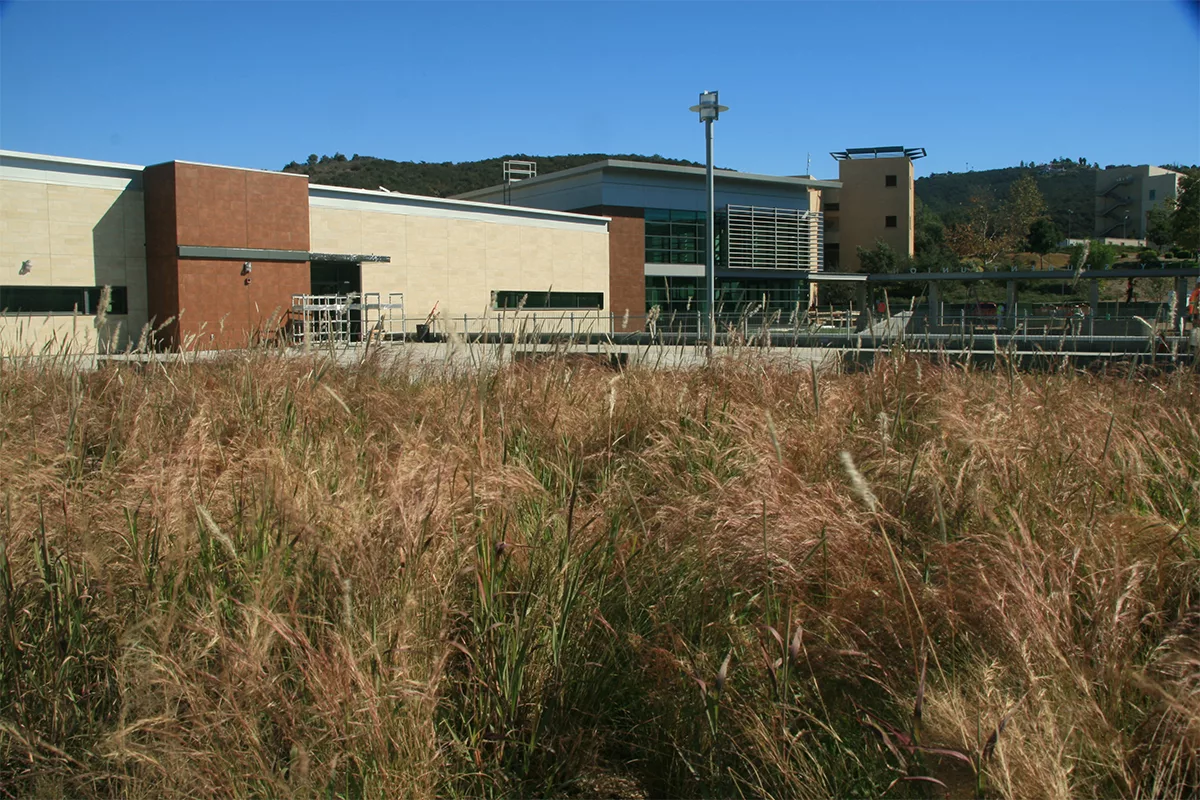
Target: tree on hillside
{"points": [[1185, 221], [1158, 223], [990, 230], [1025, 205], [1044, 236], [930, 251]]}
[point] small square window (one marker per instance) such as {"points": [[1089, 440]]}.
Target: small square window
{"points": [[1153, 192], [889, 180], [889, 222]]}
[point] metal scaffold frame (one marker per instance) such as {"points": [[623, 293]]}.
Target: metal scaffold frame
{"points": [[332, 318]]}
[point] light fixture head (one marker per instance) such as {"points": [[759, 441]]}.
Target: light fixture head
{"points": [[26, 266], [247, 267], [710, 107]]}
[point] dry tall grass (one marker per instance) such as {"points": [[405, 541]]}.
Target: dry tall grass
{"points": [[268, 576]]}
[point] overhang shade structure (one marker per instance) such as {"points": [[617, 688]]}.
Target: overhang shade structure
{"points": [[757, 237], [850, 153]]}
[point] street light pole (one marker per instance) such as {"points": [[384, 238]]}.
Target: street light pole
{"points": [[710, 109], [1125, 227]]}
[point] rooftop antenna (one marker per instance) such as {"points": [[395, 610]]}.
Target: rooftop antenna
{"points": [[517, 171], [808, 168]]}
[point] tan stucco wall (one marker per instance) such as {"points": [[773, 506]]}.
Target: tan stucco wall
{"points": [[1164, 183], [866, 202], [74, 236], [455, 264]]}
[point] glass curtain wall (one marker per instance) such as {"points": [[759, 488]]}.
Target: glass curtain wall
{"points": [[677, 237]]}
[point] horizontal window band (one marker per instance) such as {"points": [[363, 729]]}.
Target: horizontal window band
{"points": [[259, 254]]}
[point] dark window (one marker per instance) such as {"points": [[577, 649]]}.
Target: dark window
{"points": [[833, 255], [559, 301], [889, 180], [60, 299], [1152, 194], [833, 206], [889, 222], [683, 297]]}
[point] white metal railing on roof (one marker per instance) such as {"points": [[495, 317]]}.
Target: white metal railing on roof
{"points": [[759, 237]]}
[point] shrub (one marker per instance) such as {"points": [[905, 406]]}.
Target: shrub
{"points": [[267, 575]]}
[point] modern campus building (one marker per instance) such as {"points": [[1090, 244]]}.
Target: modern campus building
{"points": [[769, 232], [211, 256], [1125, 195], [218, 255], [877, 191]]}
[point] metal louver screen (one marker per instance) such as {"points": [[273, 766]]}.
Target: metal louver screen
{"points": [[757, 237]]}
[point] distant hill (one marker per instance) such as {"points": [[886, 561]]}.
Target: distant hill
{"points": [[1065, 184], [1065, 189], [444, 179]]}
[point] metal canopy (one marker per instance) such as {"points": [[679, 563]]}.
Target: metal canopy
{"points": [[368, 257], [1027, 275], [911, 153]]}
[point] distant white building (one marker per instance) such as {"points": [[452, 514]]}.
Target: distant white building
{"points": [[1125, 195]]}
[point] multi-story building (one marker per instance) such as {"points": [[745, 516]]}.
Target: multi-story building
{"points": [[1125, 195], [875, 203], [768, 231]]}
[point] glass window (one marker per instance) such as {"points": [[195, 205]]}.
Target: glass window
{"points": [[889, 222], [1152, 194], [833, 206], [60, 300], [565, 301], [889, 180], [674, 236]]}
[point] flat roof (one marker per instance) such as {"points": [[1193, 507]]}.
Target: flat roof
{"points": [[660, 169], [322, 191]]}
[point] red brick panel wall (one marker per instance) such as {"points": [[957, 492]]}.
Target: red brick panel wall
{"points": [[626, 263], [222, 310], [276, 211], [202, 206]]}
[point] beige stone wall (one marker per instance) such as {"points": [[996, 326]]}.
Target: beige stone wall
{"points": [[454, 264], [74, 236], [866, 202]]}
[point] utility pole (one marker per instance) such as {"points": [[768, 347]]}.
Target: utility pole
{"points": [[710, 109]]}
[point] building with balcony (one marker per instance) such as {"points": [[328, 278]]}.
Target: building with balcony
{"points": [[1125, 195]]}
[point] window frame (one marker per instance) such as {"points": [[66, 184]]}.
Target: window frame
{"points": [[71, 300], [554, 301], [891, 221]]}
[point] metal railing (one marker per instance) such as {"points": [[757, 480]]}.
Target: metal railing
{"points": [[1038, 328]]}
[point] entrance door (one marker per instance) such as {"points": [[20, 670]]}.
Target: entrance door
{"points": [[340, 278]]}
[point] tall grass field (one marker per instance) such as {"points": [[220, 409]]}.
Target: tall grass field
{"points": [[273, 576]]}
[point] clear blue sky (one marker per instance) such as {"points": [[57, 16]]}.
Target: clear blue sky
{"points": [[260, 84]]}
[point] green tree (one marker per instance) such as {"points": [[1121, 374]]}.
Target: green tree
{"points": [[879, 260], [1024, 207], [1093, 255], [1185, 221], [1044, 236], [1158, 223]]}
